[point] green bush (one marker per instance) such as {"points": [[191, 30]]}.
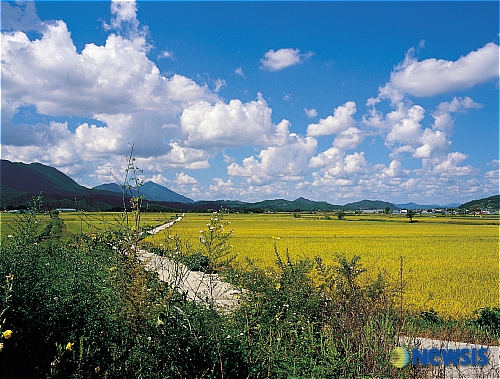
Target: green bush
{"points": [[87, 308], [430, 317], [290, 326], [489, 319]]}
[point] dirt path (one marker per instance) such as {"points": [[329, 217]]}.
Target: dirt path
{"points": [[198, 286]]}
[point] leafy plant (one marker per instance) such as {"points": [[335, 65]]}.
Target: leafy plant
{"points": [[489, 318]]}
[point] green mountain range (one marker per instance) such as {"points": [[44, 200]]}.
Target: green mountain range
{"points": [[151, 191], [20, 182], [490, 203]]}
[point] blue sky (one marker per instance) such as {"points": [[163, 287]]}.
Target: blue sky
{"points": [[334, 101]]}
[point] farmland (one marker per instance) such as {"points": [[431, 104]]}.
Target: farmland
{"points": [[449, 264], [87, 222], [97, 301]]}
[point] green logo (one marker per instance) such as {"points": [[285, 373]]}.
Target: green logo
{"points": [[399, 357]]}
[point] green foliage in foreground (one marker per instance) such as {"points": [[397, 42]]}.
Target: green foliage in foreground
{"points": [[87, 308]]}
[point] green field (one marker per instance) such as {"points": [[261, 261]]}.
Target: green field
{"points": [[93, 222], [8, 220], [449, 263], [86, 222]]}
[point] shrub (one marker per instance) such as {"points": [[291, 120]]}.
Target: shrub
{"points": [[489, 319]]}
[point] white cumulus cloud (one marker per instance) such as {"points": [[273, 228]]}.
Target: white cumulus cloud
{"points": [[408, 130], [311, 112], [348, 139], [339, 122], [228, 125], [442, 116], [183, 179], [286, 162], [282, 58], [437, 76]]}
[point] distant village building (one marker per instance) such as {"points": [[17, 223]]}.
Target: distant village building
{"points": [[66, 209]]}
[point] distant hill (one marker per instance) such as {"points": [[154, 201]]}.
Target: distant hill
{"points": [[151, 191], [369, 204], [36, 178], [426, 206], [111, 187], [276, 205], [488, 203], [19, 182]]}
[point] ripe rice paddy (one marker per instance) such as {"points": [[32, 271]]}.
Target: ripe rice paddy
{"points": [[449, 264]]}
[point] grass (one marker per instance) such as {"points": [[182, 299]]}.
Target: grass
{"points": [[88, 222], [7, 220], [85, 222]]}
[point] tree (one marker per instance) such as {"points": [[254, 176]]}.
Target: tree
{"points": [[387, 210], [410, 214], [475, 209], [340, 214]]}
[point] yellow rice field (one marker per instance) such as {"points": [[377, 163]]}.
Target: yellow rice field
{"points": [[449, 264]]}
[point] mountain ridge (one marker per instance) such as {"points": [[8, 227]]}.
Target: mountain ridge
{"points": [[151, 191], [412, 205], [20, 181]]}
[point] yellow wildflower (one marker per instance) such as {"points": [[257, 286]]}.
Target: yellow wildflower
{"points": [[7, 334], [69, 346]]}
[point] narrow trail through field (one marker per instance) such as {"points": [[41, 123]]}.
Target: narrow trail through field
{"points": [[198, 286], [210, 289]]}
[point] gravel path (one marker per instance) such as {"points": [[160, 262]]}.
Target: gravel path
{"points": [[198, 286]]}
